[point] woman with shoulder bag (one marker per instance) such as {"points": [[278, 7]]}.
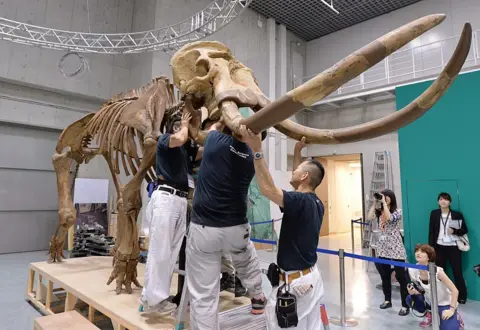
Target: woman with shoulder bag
{"points": [[390, 247], [447, 235]]}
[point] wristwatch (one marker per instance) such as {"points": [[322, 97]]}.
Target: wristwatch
{"points": [[258, 155]]}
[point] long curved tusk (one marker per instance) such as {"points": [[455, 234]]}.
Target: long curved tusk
{"points": [[331, 79], [396, 120]]}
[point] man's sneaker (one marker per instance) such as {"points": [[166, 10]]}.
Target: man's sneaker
{"points": [[258, 305], [240, 291], [427, 320], [163, 308], [227, 282]]}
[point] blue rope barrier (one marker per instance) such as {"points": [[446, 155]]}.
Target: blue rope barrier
{"points": [[360, 222], [264, 222], [325, 251], [354, 256], [385, 261], [256, 240]]}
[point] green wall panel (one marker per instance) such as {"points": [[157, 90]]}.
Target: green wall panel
{"points": [[438, 152]]}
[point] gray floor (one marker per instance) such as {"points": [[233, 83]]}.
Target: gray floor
{"points": [[361, 295]]}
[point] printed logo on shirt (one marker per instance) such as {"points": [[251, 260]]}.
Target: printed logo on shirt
{"points": [[238, 153]]}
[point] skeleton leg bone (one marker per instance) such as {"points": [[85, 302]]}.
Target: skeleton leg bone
{"points": [[127, 249], [66, 210]]}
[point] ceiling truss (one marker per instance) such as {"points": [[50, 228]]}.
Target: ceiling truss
{"points": [[168, 39]]}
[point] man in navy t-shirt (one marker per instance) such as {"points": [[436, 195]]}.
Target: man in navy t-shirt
{"points": [[297, 247], [219, 225], [166, 214]]}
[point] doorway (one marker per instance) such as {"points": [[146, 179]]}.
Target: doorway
{"points": [[341, 192]]}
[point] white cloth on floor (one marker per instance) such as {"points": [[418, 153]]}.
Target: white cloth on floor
{"points": [[166, 214], [308, 304], [205, 246]]}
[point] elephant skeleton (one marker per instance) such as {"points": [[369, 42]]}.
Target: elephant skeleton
{"points": [[208, 76], [129, 123]]}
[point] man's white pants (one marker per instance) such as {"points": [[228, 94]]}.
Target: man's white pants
{"points": [[166, 214], [227, 265], [308, 305], [205, 246]]}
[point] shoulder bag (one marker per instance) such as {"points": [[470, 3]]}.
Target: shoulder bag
{"points": [[463, 242]]}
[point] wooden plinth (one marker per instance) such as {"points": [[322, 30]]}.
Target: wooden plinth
{"points": [[82, 281], [68, 320]]}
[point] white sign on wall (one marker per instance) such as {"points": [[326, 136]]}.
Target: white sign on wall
{"points": [[90, 191]]}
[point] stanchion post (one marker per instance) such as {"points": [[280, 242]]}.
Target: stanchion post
{"points": [[273, 235], [362, 228], [342, 319], [432, 270], [353, 235]]}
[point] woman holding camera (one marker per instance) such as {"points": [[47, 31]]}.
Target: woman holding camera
{"points": [[420, 292], [446, 227], [388, 217]]}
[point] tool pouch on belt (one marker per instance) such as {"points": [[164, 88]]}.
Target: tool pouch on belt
{"points": [[273, 274], [286, 308]]}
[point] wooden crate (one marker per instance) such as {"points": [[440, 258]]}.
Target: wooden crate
{"points": [[67, 320]]}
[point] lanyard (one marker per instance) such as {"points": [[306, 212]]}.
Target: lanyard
{"points": [[444, 223]]}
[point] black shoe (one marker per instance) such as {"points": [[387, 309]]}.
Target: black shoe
{"points": [[240, 291], [227, 282], [386, 305], [404, 311], [462, 301], [175, 299]]}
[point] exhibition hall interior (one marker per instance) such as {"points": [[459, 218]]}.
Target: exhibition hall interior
{"points": [[239, 164]]}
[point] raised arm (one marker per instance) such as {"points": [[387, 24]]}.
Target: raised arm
{"points": [[199, 154], [180, 138], [264, 179], [453, 300], [371, 212], [297, 153]]}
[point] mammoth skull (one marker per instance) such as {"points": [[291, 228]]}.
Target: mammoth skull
{"points": [[209, 74]]}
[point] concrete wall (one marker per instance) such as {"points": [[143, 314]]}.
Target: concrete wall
{"points": [[108, 74], [326, 51], [247, 40], [350, 116], [37, 102], [144, 13], [30, 123]]}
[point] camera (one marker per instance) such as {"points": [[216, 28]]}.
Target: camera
{"points": [[417, 286], [377, 196]]}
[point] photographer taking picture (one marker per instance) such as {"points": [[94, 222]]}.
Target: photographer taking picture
{"points": [[420, 294], [390, 247]]}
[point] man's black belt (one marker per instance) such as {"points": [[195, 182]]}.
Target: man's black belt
{"points": [[176, 186], [173, 191]]}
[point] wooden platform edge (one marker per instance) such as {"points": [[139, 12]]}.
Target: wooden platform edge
{"points": [[36, 298]]}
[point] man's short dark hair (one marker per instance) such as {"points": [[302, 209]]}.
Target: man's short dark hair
{"points": [[264, 135], [317, 172], [445, 195], [171, 123], [205, 122]]}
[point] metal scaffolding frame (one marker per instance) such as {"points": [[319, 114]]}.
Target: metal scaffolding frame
{"points": [[168, 39]]}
